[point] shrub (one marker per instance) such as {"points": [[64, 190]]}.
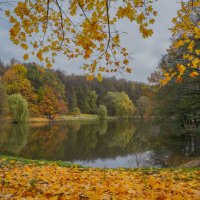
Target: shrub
{"points": [[76, 111], [102, 111], [18, 107]]}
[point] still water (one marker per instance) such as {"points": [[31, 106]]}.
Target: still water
{"points": [[123, 143]]}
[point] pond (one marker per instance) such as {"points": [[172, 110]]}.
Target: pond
{"points": [[110, 144]]}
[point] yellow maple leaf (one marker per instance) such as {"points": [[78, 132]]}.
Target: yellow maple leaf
{"points": [[7, 13], [181, 69], [129, 70], [25, 57], [125, 61], [90, 77], [195, 63], [194, 74], [99, 77]]}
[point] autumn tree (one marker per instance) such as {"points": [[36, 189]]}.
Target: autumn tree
{"points": [[16, 82], [178, 101], [48, 103], [18, 107], [186, 34], [40, 77]]}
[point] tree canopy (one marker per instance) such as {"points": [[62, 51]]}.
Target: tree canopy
{"points": [[88, 29], [51, 93]]}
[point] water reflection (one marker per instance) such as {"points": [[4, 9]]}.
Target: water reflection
{"points": [[124, 143], [13, 138]]}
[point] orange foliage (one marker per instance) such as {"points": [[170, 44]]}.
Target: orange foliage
{"points": [[51, 181]]}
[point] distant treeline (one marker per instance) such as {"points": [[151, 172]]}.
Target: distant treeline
{"points": [[50, 92]]}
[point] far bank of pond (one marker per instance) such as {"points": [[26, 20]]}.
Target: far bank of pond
{"points": [[80, 117], [63, 118]]}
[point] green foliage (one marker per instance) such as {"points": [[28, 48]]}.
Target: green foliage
{"points": [[14, 137], [73, 101], [35, 74], [179, 100], [87, 101], [119, 104], [68, 91], [76, 111], [2, 68], [3, 98], [18, 107], [92, 101], [80, 85], [144, 106], [102, 112]]}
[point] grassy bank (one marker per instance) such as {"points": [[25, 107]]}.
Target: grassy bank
{"points": [[27, 179], [65, 118], [60, 118], [80, 117]]}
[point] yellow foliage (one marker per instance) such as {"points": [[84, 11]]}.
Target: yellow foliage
{"points": [[99, 77], [129, 70], [194, 74], [90, 77], [50, 181], [186, 33], [181, 69], [85, 31], [25, 56]]}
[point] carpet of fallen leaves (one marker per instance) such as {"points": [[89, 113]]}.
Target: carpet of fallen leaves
{"points": [[50, 181]]}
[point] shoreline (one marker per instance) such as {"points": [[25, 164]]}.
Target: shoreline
{"points": [[82, 117], [25, 161]]}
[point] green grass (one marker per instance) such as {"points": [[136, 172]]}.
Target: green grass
{"points": [[9, 159], [65, 118], [81, 116], [146, 170]]}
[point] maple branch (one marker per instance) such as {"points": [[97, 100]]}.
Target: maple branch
{"points": [[67, 16], [47, 13], [109, 31], [47, 19], [83, 10], [108, 20], [61, 19]]}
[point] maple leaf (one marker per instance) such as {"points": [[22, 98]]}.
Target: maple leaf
{"points": [[25, 56], [194, 74]]}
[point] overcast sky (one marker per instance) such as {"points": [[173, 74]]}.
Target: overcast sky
{"points": [[146, 52]]}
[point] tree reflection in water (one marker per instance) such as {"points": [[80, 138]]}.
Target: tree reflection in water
{"points": [[124, 143], [13, 137]]}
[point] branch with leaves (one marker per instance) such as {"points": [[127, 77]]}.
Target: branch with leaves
{"points": [[79, 28]]}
